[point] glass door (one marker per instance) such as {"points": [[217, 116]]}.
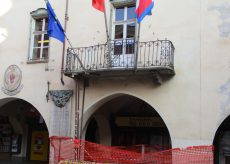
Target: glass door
{"points": [[124, 29]]}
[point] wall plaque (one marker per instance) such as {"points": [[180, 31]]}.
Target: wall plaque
{"points": [[12, 80]]}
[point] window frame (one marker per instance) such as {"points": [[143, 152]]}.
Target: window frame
{"points": [[124, 22], [124, 49], [124, 42], [40, 13]]}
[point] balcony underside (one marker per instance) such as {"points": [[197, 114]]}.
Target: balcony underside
{"points": [[122, 72]]}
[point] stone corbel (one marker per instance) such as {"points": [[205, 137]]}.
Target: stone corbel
{"points": [[60, 97]]}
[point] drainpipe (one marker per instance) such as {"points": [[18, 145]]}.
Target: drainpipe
{"points": [[80, 150], [82, 107]]}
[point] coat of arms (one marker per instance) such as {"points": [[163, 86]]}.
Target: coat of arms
{"points": [[12, 80]]}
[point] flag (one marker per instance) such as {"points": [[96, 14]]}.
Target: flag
{"points": [[143, 8], [99, 5], [55, 29]]}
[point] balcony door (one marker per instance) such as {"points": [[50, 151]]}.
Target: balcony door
{"points": [[123, 36]]}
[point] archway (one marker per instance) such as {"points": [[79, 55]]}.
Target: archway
{"points": [[23, 133], [222, 143], [126, 121]]}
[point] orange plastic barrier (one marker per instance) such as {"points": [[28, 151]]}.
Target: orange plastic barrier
{"points": [[72, 151]]}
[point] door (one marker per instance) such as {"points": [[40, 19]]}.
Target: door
{"points": [[123, 44]]}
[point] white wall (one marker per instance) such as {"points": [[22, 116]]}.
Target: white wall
{"points": [[193, 103], [14, 48]]}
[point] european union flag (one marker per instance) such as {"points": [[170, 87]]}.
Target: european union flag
{"points": [[55, 29]]}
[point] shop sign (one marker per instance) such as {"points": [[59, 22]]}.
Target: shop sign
{"points": [[139, 121]]}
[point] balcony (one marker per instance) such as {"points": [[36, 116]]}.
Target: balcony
{"points": [[121, 58]]}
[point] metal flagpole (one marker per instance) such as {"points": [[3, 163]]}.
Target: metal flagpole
{"points": [[106, 25], [67, 41], [75, 54], [137, 46], [64, 43], [108, 38]]}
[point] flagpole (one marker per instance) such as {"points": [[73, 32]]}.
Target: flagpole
{"points": [[65, 37], [106, 25], [107, 36], [64, 43], [137, 46]]}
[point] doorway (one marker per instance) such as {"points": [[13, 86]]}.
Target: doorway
{"points": [[24, 135], [128, 121], [222, 143]]}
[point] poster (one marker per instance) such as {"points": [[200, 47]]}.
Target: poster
{"points": [[39, 146]]}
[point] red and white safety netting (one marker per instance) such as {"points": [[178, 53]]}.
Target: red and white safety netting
{"points": [[69, 150]]}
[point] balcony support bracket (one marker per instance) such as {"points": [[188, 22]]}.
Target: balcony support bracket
{"points": [[157, 78]]}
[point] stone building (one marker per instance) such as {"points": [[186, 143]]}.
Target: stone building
{"points": [[165, 85]]}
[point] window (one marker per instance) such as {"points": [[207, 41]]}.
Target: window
{"points": [[39, 39], [123, 34], [124, 30]]}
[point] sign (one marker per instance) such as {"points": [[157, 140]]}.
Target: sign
{"points": [[139, 122], [39, 146], [12, 80]]}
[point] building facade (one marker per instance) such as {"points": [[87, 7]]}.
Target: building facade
{"points": [[166, 84], [30, 75]]}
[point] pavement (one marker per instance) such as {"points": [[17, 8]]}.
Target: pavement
{"points": [[7, 159], [23, 162], [17, 160]]}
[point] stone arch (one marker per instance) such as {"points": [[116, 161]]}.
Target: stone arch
{"points": [[96, 104], [99, 103], [4, 101], [24, 128], [221, 142]]}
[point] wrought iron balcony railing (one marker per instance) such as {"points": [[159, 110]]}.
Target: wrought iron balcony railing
{"points": [[121, 55]]}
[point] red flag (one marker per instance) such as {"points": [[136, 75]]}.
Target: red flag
{"points": [[99, 5]]}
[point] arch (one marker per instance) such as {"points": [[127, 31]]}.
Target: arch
{"points": [[100, 121], [221, 141], [96, 104], [22, 127], [219, 124], [7, 100], [222, 122], [92, 109]]}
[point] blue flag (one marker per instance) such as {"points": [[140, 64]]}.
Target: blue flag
{"points": [[55, 29]]}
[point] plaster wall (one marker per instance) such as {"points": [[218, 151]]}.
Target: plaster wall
{"points": [[193, 103], [14, 48]]}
